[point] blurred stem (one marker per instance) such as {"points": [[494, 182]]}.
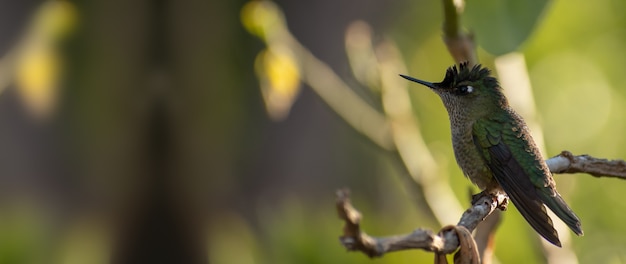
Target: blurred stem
{"points": [[451, 11], [341, 98], [459, 43]]}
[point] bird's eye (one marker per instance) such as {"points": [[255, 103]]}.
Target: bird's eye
{"points": [[466, 89]]}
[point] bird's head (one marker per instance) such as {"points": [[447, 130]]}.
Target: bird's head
{"points": [[467, 89]]}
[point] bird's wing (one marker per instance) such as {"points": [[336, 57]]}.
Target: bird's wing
{"points": [[495, 138]]}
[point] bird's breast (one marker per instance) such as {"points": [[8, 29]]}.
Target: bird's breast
{"points": [[470, 158]]}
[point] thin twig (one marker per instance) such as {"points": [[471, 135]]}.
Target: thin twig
{"points": [[566, 162]]}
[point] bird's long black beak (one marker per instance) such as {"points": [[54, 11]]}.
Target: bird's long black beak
{"points": [[428, 84]]}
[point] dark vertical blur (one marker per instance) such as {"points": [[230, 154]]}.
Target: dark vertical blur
{"points": [[160, 132]]}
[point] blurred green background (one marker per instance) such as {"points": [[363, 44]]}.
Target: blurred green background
{"points": [[139, 132]]}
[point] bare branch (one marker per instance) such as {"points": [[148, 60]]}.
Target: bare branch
{"points": [[354, 239], [566, 162]]}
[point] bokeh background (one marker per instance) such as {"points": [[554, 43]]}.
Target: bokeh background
{"points": [[193, 131]]}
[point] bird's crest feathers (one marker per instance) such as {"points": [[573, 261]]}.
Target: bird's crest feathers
{"points": [[462, 73]]}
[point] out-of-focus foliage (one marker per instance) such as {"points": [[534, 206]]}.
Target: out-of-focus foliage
{"points": [[22, 226], [261, 18], [279, 80], [277, 70], [38, 63], [501, 27]]}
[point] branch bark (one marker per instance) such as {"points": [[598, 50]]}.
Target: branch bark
{"points": [[483, 205], [566, 162], [446, 242]]}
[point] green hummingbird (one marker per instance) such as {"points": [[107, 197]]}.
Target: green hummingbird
{"points": [[495, 150]]}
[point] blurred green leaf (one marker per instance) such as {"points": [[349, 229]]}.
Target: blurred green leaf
{"points": [[502, 26]]}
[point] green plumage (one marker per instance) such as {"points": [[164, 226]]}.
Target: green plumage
{"points": [[493, 147]]}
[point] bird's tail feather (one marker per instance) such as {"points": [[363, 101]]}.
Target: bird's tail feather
{"points": [[560, 208], [535, 214]]}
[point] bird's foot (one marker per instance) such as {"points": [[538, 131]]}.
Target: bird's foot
{"points": [[500, 198]]}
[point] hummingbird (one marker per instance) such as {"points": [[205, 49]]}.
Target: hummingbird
{"points": [[494, 149]]}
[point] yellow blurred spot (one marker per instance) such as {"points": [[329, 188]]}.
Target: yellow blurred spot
{"points": [[37, 74], [261, 18], [280, 80], [276, 67], [38, 64], [282, 72]]}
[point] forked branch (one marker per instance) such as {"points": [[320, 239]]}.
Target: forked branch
{"points": [[446, 242], [451, 237]]}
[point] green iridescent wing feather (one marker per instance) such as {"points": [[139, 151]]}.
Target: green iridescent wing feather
{"points": [[541, 177], [498, 141]]}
